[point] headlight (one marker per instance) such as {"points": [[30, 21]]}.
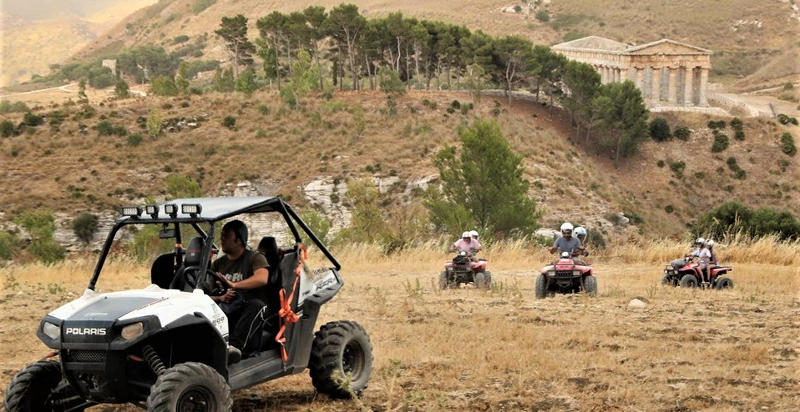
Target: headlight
{"points": [[132, 331], [576, 273], [51, 330], [551, 273]]}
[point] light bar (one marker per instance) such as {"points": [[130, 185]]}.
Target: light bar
{"points": [[151, 210], [192, 209], [131, 211], [171, 210]]}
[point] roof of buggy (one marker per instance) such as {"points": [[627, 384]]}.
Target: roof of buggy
{"points": [[216, 208]]}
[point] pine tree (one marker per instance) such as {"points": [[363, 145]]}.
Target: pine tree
{"points": [[234, 31]]}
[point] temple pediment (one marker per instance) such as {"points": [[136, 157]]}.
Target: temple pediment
{"points": [[666, 47], [592, 43]]}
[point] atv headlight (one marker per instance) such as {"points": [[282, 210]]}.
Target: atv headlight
{"points": [[51, 330], [551, 273], [132, 331], [576, 273]]}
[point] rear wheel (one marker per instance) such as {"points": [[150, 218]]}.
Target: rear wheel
{"points": [[341, 359], [190, 386], [724, 282], [41, 387], [688, 281], [590, 285], [541, 286]]}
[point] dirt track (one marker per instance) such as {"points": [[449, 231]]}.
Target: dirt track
{"points": [[502, 350]]}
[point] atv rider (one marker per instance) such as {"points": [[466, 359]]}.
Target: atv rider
{"points": [[710, 246], [580, 233], [567, 243], [466, 244], [246, 271], [704, 261], [699, 243]]}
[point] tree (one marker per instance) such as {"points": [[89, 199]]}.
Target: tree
{"points": [[623, 116], [484, 185], [246, 83], [582, 83], [234, 31], [82, 92], [154, 123], [121, 90], [315, 17], [182, 78], [304, 74], [511, 54], [164, 86], [223, 80], [41, 226], [345, 25], [475, 81], [273, 34]]}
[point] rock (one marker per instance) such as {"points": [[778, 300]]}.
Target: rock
{"points": [[678, 386], [636, 304], [547, 233]]}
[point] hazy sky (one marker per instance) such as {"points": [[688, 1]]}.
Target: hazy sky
{"points": [[45, 9]]}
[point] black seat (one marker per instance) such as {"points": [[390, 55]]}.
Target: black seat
{"points": [[163, 270], [283, 279], [268, 247], [191, 264]]}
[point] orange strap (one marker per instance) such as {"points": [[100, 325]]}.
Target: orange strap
{"points": [[286, 315]]}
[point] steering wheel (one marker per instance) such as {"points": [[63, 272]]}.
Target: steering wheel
{"points": [[191, 275]]}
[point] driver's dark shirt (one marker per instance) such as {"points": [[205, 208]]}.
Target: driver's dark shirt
{"points": [[238, 270]]}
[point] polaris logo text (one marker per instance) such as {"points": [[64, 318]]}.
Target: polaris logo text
{"points": [[86, 331]]}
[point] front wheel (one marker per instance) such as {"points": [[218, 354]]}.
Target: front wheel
{"points": [[688, 281], [541, 286], [341, 359], [483, 280], [590, 285], [443, 281], [41, 387], [190, 386]]}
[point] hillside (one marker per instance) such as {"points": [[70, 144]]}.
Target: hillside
{"points": [[72, 168], [744, 35], [38, 33]]}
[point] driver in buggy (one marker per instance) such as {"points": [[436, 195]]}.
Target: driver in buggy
{"points": [[567, 243], [247, 272], [466, 244]]}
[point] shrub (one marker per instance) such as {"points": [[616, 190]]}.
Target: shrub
{"points": [[41, 226], [734, 217], [738, 134], [6, 128], [517, 9], [660, 163], [183, 186], [677, 168], [288, 97], [135, 139], [682, 133], [229, 122], [543, 16], [713, 125], [8, 107], [669, 208], [784, 119], [263, 109], [85, 226], [200, 5], [105, 128], [736, 123], [33, 120], [390, 81], [738, 172], [121, 90], [8, 243], [595, 239], [153, 123], [164, 86], [659, 129], [180, 39], [787, 144], [720, 142]]}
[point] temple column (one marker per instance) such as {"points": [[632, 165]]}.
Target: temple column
{"points": [[673, 86], [623, 75], [655, 85], [617, 75], [703, 85], [640, 79], [688, 87]]}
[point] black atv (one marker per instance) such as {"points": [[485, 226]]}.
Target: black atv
{"points": [[166, 349]]}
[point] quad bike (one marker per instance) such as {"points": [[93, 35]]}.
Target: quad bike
{"points": [[688, 274], [565, 276], [166, 349], [463, 269]]}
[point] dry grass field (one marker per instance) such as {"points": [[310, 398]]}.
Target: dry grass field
{"points": [[467, 349]]}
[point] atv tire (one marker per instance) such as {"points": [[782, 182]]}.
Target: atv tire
{"points": [[190, 386], [666, 281], [688, 281], [443, 281], [541, 286], [590, 285], [723, 282], [483, 280], [41, 387], [341, 359]]}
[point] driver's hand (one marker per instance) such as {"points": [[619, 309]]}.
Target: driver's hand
{"points": [[228, 296], [224, 280]]}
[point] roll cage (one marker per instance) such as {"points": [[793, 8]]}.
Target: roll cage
{"points": [[210, 211]]}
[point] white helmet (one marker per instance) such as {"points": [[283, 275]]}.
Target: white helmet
{"points": [[566, 226], [580, 231], [474, 233], [699, 240], [466, 234], [710, 243]]}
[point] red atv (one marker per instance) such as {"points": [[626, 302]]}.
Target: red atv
{"points": [[463, 269], [688, 274], [565, 276]]}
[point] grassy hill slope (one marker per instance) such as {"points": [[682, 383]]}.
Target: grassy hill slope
{"points": [[352, 135]]}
